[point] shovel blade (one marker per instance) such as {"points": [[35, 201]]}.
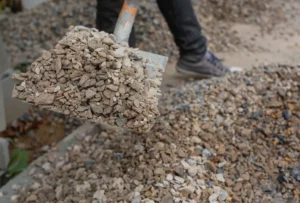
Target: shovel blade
{"points": [[155, 58]]}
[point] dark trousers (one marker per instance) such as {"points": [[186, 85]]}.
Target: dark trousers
{"points": [[179, 15]]}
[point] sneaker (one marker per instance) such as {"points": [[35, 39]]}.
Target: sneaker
{"points": [[209, 66]]}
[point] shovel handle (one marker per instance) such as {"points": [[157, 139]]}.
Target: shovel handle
{"points": [[126, 19]]}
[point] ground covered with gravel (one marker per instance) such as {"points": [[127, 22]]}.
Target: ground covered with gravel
{"points": [[28, 33], [222, 140]]}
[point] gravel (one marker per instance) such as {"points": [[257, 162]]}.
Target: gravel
{"points": [[90, 76], [234, 139], [159, 166], [28, 33]]}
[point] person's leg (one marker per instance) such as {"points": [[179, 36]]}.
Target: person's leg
{"points": [[194, 59], [185, 27], [107, 15]]}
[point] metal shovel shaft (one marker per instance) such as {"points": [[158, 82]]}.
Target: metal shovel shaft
{"points": [[126, 20], [124, 27]]}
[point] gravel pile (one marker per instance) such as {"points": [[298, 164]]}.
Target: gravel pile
{"points": [[28, 33], [223, 140], [88, 75]]}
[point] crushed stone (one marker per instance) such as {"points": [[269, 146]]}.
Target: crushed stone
{"points": [[156, 167], [84, 78]]}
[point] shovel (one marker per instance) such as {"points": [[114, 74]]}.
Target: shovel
{"points": [[123, 29]]}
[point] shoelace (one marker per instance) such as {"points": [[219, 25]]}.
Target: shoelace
{"points": [[216, 61]]}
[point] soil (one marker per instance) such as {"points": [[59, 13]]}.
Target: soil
{"points": [[37, 131], [46, 134]]}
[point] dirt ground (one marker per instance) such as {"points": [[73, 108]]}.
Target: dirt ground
{"points": [[35, 135]]}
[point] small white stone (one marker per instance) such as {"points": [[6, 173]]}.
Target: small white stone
{"points": [[59, 164], [169, 177], [159, 185], [220, 177], [196, 139], [83, 188], [47, 166], [56, 89], [177, 199], [192, 161], [118, 183], [16, 187], [217, 190], [206, 153], [189, 189], [120, 52], [201, 184], [59, 192], [32, 171], [99, 195], [77, 148], [23, 84], [223, 194], [93, 176], [193, 171], [173, 146], [166, 183], [213, 198], [14, 198], [185, 165], [221, 164], [179, 179], [198, 192], [173, 192], [35, 185], [148, 201], [139, 188], [126, 63]]}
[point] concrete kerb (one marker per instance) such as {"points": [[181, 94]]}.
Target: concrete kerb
{"points": [[24, 179], [4, 155], [10, 109]]}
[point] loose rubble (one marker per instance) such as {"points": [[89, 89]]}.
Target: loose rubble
{"points": [[28, 33], [234, 139], [88, 75]]}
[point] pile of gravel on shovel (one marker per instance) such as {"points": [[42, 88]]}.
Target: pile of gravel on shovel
{"points": [[235, 139], [89, 75]]}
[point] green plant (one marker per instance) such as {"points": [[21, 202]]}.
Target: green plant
{"points": [[18, 162]]}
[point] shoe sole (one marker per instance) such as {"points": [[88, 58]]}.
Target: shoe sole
{"points": [[194, 74]]}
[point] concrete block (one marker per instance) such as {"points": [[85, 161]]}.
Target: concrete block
{"points": [[2, 109], [4, 58], [13, 108], [4, 154], [10, 109]]}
